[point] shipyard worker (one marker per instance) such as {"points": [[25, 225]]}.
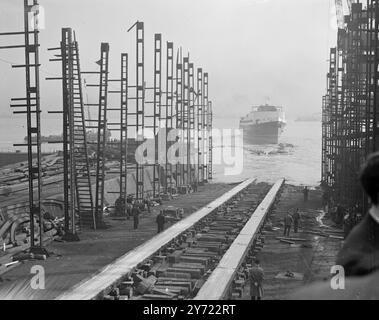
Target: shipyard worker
{"points": [[136, 212], [120, 207], [195, 186], [129, 199], [287, 224], [129, 208], [296, 220], [306, 193], [256, 276], [147, 203], [160, 221], [325, 201], [339, 215]]}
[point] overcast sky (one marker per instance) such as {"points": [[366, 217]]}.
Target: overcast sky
{"points": [[252, 49]]}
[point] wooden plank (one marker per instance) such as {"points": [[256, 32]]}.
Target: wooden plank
{"points": [[91, 288]]}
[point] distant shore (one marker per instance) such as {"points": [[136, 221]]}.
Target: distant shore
{"points": [[7, 158]]}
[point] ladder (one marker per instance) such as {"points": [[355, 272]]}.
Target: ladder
{"points": [[78, 201], [84, 203]]}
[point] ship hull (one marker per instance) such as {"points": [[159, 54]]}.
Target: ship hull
{"points": [[263, 133]]}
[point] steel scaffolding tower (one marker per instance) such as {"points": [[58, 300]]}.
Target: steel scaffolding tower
{"points": [[185, 121], [210, 141], [120, 128], [30, 105], [169, 114], [156, 111], [205, 127], [200, 103], [179, 118], [349, 121], [136, 108], [101, 132], [123, 127], [191, 158]]}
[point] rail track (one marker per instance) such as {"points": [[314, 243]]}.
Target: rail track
{"points": [[203, 256]]}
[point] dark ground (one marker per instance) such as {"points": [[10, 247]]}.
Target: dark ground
{"points": [[312, 262], [74, 262]]}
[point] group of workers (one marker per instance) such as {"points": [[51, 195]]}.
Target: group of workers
{"points": [[292, 219], [295, 218], [133, 208]]}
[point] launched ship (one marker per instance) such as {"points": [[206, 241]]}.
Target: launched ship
{"points": [[263, 125]]}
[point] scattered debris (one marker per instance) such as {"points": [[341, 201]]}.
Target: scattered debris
{"points": [[288, 275]]}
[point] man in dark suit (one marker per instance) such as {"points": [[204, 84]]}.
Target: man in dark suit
{"points": [[360, 253], [135, 213], [160, 221], [256, 276], [359, 256]]}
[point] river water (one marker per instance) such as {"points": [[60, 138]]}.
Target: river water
{"points": [[298, 160]]}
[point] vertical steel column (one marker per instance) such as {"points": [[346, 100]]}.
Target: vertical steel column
{"points": [[323, 142], [200, 104], [179, 117], [169, 113], [33, 119], [210, 141], [185, 117], [68, 198], [375, 120], [68, 127], [140, 103], [124, 128], [157, 110], [101, 133], [31, 103], [120, 146], [191, 126], [205, 127], [136, 110]]}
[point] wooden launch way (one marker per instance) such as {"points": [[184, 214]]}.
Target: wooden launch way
{"points": [[112, 273], [218, 284]]}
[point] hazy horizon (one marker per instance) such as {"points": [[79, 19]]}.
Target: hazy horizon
{"points": [[252, 49]]}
